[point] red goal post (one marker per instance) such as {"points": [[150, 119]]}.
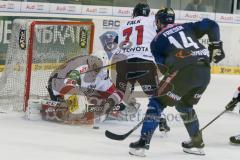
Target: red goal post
{"points": [[30, 52]]}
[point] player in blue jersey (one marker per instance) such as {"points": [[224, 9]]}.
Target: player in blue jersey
{"points": [[177, 47]]}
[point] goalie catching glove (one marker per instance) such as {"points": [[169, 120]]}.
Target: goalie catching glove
{"points": [[216, 51], [72, 103]]}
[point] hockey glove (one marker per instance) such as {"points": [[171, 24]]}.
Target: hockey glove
{"points": [[216, 51], [236, 98], [232, 104]]}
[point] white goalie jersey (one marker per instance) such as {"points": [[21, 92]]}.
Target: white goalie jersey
{"points": [[93, 83]]}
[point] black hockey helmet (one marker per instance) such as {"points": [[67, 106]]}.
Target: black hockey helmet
{"points": [[165, 16], [141, 9]]}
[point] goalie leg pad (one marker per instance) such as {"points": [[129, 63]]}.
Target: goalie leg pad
{"points": [[54, 111]]}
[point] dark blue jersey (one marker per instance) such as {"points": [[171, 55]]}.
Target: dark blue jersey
{"points": [[184, 37]]}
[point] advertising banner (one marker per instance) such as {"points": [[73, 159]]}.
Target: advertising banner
{"points": [[9, 6], [122, 11], [6, 31], [225, 70], [97, 10], [35, 7], [106, 29], [224, 18], [195, 16], [65, 8]]}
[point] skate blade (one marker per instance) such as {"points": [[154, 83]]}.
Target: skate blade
{"points": [[195, 151], [163, 134], [234, 144], [137, 152]]}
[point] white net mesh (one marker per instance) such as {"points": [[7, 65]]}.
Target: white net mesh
{"points": [[53, 42]]}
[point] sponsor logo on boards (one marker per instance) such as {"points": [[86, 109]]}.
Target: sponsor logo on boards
{"points": [[22, 39], [83, 38]]}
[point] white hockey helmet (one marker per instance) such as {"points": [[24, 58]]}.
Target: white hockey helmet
{"points": [[102, 55], [97, 60]]}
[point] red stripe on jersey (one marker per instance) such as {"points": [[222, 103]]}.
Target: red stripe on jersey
{"points": [[108, 92], [120, 94], [65, 90]]}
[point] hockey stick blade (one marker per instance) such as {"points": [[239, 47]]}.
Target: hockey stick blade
{"points": [[118, 137], [114, 136]]}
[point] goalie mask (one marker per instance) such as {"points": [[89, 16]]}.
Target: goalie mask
{"points": [[74, 75], [97, 60]]}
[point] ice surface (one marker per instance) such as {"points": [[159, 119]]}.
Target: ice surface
{"points": [[40, 140]]}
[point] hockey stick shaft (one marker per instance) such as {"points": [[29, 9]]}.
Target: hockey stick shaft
{"points": [[109, 65], [229, 105], [91, 70], [214, 119]]}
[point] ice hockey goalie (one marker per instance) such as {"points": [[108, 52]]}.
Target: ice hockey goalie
{"points": [[80, 88]]}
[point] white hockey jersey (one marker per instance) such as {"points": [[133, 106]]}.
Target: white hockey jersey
{"points": [[137, 33]]}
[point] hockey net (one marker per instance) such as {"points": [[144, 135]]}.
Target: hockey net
{"points": [[36, 48]]}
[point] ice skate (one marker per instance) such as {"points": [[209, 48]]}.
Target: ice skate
{"points": [[194, 146], [138, 148], [163, 127], [235, 139]]}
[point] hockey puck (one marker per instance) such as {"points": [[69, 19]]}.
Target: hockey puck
{"points": [[95, 127]]}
